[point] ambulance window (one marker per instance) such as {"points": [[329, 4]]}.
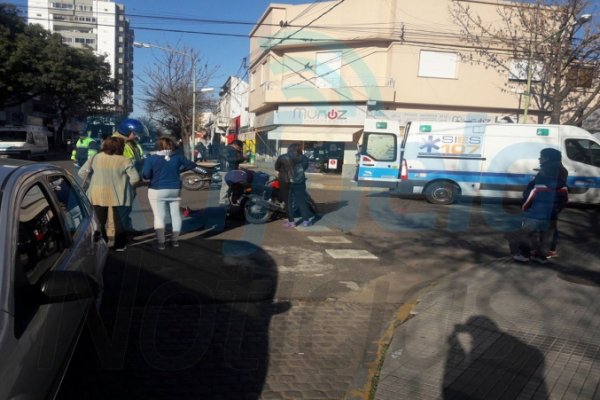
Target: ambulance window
{"points": [[381, 146], [583, 151]]}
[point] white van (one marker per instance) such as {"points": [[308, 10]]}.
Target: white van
{"points": [[444, 160], [24, 141]]}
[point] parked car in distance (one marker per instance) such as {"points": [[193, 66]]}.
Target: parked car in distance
{"points": [[51, 265], [23, 141]]}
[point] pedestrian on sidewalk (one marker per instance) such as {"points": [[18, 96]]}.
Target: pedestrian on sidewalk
{"points": [[544, 198], [298, 195], [162, 168], [111, 186]]}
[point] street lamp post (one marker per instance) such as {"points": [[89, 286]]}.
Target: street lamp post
{"points": [[193, 58], [580, 21]]}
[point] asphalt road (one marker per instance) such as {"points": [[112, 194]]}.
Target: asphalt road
{"points": [[267, 312]]}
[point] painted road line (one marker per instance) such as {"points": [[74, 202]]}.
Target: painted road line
{"points": [[349, 253], [329, 239], [313, 228]]}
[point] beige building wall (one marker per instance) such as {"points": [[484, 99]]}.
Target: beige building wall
{"points": [[381, 45]]}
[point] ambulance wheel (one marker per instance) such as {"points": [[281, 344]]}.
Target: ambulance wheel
{"points": [[441, 192]]}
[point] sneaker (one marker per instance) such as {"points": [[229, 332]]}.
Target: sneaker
{"points": [[306, 223], [175, 243], [160, 246], [552, 253], [520, 258], [539, 260], [289, 224]]}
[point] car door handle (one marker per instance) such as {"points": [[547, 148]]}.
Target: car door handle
{"points": [[368, 165]]}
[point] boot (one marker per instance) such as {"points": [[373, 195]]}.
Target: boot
{"points": [[160, 238], [175, 239]]}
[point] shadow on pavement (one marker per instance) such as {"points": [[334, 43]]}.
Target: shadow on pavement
{"points": [[187, 322], [484, 362]]}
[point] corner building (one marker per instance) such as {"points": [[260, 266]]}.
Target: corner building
{"points": [[317, 70]]}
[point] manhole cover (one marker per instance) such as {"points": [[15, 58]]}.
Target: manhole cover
{"points": [[581, 277]]}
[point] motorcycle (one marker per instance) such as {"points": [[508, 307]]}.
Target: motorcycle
{"points": [[241, 184], [201, 177], [262, 206]]}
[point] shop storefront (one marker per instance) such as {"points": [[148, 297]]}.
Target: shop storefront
{"points": [[328, 134]]}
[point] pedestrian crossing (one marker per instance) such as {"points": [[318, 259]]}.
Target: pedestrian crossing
{"points": [[336, 253]]}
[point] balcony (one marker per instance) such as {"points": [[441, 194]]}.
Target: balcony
{"points": [[321, 90]]}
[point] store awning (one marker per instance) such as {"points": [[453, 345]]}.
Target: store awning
{"points": [[247, 136], [314, 133]]}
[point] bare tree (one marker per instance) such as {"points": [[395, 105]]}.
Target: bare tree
{"points": [[168, 91], [544, 45]]}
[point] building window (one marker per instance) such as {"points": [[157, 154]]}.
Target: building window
{"points": [[518, 71], [64, 6], [437, 64], [253, 80], [580, 76], [263, 73], [328, 68]]}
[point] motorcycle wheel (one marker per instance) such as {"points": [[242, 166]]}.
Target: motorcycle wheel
{"points": [[193, 181], [256, 212]]}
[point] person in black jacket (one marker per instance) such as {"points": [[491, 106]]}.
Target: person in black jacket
{"points": [[543, 199], [230, 159], [298, 196], [283, 166]]}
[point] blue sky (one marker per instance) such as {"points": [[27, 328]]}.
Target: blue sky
{"points": [[226, 51]]}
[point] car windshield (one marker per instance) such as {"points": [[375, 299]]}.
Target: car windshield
{"points": [[13, 136]]}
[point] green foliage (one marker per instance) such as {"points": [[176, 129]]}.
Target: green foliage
{"points": [[34, 62]]}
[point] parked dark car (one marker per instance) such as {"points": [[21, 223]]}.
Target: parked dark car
{"points": [[51, 266]]}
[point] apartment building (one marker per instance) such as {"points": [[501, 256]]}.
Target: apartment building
{"points": [[317, 70], [100, 25]]}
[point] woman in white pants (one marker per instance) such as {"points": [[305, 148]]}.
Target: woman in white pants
{"points": [[163, 168]]}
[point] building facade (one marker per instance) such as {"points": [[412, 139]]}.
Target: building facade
{"points": [[317, 71], [99, 25], [231, 119]]}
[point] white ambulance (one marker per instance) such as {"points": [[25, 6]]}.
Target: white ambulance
{"points": [[446, 160], [23, 141]]}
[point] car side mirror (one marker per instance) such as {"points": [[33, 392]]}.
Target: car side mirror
{"points": [[62, 286]]}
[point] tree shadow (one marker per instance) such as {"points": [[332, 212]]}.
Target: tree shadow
{"points": [[483, 361], [187, 322]]}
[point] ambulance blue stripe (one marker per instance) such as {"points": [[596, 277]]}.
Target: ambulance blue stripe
{"points": [[497, 178]]}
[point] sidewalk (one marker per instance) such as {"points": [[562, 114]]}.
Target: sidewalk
{"points": [[502, 331]]}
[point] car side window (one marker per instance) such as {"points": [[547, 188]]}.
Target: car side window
{"points": [[583, 151], [40, 238], [70, 201]]}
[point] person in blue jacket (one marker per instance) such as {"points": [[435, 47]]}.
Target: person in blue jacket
{"points": [[544, 198], [162, 169]]}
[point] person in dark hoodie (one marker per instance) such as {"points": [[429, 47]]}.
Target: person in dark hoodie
{"points": [[543, 199], [298, 196], [283, 166]]}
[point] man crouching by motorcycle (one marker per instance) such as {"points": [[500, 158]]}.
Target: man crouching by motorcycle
{"points": [[230, 159]]}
